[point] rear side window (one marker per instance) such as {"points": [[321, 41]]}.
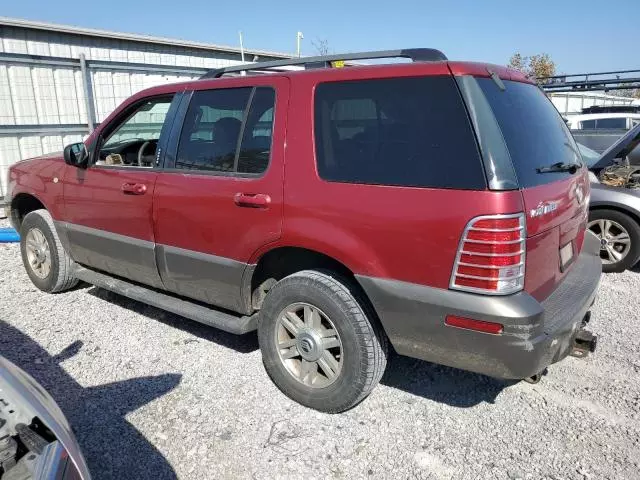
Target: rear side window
{"points": [[535, 133], [227, 130], [403, 131]]}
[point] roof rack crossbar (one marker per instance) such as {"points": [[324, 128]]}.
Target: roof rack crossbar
{"points": [[415, 54], [615, 80]]}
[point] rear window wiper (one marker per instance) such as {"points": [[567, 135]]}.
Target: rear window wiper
{"points": [[560, 167]]}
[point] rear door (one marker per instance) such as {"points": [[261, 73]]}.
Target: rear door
{"points": [[219, 199], [556, 204], [108, 205]]}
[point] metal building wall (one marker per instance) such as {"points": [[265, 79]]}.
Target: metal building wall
{"points": [[44, 106]]}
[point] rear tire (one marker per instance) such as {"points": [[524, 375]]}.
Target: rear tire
{"points": [[612, 224], [47, 263], [356, 346]]}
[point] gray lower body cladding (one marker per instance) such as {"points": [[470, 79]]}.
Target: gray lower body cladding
{"points": [[536, 334], [204, 277], [217, 318]]}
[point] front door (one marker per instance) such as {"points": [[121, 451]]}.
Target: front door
{"points": [[108, 206], [219, 198]]}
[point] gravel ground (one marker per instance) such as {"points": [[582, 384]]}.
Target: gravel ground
{"points": [[152, 395]]}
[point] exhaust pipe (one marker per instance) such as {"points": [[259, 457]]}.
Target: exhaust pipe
{"points": [[584, 343]]}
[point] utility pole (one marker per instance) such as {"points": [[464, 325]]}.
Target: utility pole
{"points": [[241, 51], [241, 46], [299, 36]]}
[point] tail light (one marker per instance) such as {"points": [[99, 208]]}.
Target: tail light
{"points": [[491, 255]]}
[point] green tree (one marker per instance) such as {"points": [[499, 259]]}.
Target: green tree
{"points": [[535, 66]]}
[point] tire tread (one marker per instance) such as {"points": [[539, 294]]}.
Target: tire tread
{"points": [[372, 339], [65, 279]]}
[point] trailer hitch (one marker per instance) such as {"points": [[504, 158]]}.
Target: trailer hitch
{"points": [[584, 343]]}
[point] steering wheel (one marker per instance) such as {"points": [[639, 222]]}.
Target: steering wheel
{"points": [[143, 147]]}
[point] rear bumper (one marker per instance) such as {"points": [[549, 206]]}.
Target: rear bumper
{"points": [[536, 334]]}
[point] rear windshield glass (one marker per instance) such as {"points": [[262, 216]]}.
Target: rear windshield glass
{"points": [[399, 131], [534, 131]]}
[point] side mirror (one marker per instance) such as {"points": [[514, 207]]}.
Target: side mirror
{"points": [[76, 155]]}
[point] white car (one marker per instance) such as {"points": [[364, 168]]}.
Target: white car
{"points": [[590, 121]]}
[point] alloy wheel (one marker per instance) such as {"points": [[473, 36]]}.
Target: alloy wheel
{"points": [[615, 241], [309, 345], [38, 253]]}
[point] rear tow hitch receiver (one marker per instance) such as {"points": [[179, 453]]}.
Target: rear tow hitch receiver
{"points": [[584, 343]]}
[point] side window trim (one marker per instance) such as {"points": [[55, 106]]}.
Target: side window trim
{"points": [[245, 116], [171, 150], [163, 141]]}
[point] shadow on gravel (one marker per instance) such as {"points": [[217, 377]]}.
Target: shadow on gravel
{"points": [[242, 343], [454, 387], [112, 447]]}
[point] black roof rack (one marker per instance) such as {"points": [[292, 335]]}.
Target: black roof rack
{"points": [[618, 80], [612, 108], [324, 61]]}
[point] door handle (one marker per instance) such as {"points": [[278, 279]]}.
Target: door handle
{"points": [[252, 200], [134, 188]]}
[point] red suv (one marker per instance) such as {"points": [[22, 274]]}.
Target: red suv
{"points": [[439, 206]]}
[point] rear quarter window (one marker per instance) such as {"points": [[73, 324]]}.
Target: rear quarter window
{"points": [[612, 122], [535, 133], [411, 132]]}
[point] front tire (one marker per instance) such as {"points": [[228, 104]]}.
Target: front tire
{"points": [[619, 236], [47, 263], [319, 344]]}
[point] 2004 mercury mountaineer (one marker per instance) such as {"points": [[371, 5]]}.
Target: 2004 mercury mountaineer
{"points": [[437, 205]]}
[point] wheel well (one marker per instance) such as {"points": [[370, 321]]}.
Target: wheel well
{"points": [[284, 261], [21, 205], [629, 213]]}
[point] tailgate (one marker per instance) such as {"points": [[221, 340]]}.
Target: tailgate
{"points": [[556, 216]]}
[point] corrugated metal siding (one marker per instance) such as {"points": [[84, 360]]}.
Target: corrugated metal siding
{"points": [[55, 95]]}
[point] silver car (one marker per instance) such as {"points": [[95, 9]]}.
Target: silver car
{"points": [[614, 208], [36, 441]]}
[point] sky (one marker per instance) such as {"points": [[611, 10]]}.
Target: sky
{"points": [[580, 36]]}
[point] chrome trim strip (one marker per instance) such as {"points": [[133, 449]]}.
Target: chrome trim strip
{"points": [[466, 252], [515, 229], [462, 275], [489, 266], [497, 242]]}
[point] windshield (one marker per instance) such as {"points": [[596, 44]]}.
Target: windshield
{"points": [[590, 157]]}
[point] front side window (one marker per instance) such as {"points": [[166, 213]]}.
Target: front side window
{"points": [[411, 131], [133, 141], [227, 130]]}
